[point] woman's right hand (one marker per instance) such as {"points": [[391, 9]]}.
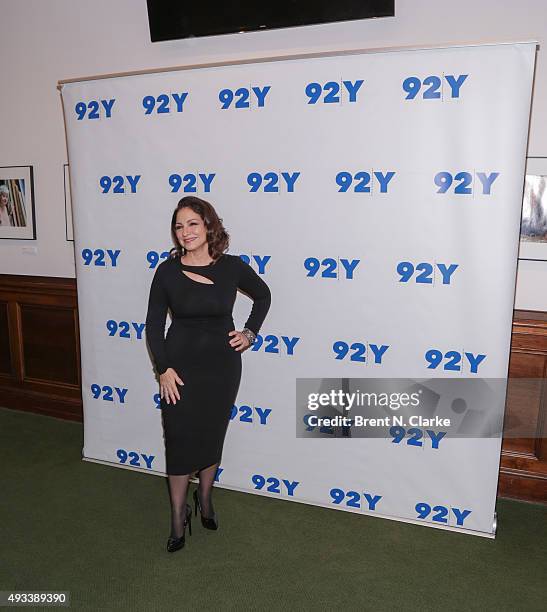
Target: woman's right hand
{"points": [[168, 386]]}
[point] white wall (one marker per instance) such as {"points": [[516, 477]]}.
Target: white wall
{"points": [[43, 41]]}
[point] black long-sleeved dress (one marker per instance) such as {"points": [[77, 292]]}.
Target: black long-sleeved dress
{"points": [[197, 348]]}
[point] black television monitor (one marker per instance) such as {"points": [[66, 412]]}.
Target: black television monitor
{"points": [[174, 19]]}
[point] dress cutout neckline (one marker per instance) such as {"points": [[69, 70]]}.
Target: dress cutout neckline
{"points": [[193, 273], [206, 281]]}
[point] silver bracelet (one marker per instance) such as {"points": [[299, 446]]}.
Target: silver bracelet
{"points": [[250, 335]]}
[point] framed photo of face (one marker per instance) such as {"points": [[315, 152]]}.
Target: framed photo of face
{"points": [[17, 220], [533, 225]]}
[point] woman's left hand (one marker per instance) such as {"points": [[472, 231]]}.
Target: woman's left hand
{"points": [[239, 341]]}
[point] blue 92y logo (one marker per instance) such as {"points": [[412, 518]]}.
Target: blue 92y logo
{"points": [[154, 257], [119, 184], [364, 182], [101, 258], [432, 87], [250, 414], [376, 352], [464, 184], [191, 183], [124, 329], [415, 436], [271, 344], [108, 393], [454, 361], [331, 268], [135, 458], [424, 272], [353, 499], [271, 182], [244, 98], [95, 109], [333, 92], [274, 485], [261, 261], [163, 103], [441, 514]]}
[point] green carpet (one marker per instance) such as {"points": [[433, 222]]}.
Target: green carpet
{"points": [[100, 533]]}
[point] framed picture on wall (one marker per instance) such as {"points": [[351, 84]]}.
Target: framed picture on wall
{"points": [[17, 203], [69, 230], [533, 225]]}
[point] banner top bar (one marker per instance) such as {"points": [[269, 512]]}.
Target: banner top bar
{"points": [[277, 58]]}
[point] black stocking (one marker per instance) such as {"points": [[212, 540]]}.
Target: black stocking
{"points": [[206, 480], [178, 487]]}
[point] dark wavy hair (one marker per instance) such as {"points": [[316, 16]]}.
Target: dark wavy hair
{"points": [[217, 237]]}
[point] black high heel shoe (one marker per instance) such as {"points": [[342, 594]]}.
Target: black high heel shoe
{"points": [[174, 544], [208, 523]]}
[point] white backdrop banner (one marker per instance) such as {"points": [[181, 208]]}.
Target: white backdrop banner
{"points": [[379, 196]]}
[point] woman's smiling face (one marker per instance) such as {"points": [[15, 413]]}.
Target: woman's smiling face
{"points": [[190, 230]]}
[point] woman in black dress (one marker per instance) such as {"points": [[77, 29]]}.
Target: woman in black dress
{"points": [[199, 361]]}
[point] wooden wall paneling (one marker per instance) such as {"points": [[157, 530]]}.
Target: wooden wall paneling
{"points": [[524, 396], [16, 340], [44, 346], [49, 343], [5, 350], [523, 470]]}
